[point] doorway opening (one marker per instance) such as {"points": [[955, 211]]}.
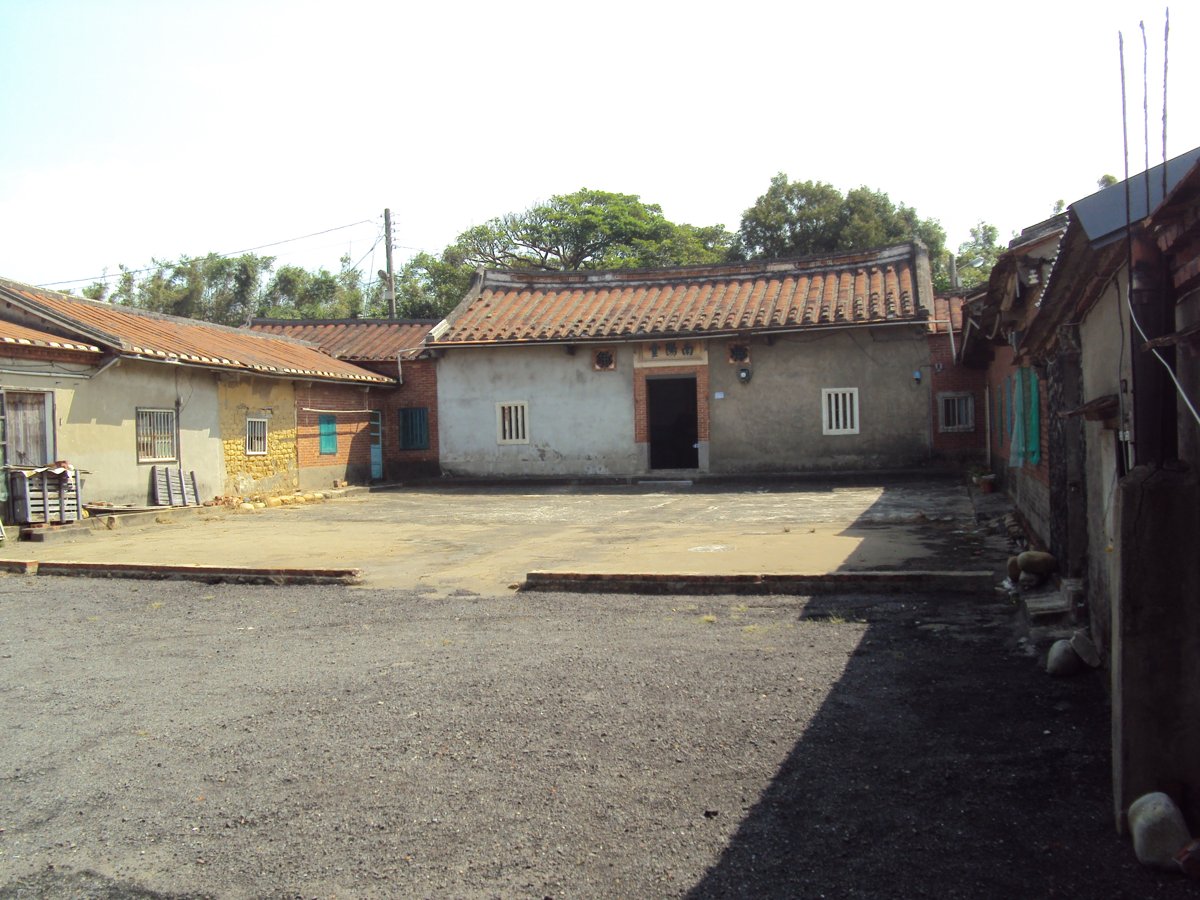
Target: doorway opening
{"points": [[671, 415]]}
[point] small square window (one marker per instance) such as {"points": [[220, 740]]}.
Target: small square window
{"points": [[839, 410], [256, 437], [155, 435], [512, 423], [956, 412]]}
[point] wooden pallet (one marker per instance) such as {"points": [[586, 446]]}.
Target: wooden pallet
{"points": [[173, 487], [45, 497]]}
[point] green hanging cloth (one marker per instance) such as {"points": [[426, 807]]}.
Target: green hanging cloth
{"points": [[1033, 426]]}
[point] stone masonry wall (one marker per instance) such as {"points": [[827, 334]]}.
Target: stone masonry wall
{"points": [[270, 399]]}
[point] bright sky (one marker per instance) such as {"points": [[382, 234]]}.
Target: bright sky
{"points": [[138, 130]]}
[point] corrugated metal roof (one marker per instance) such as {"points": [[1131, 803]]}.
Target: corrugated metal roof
{"points": [[365, 340], [139, 333], [12, 333], [865, 288]]}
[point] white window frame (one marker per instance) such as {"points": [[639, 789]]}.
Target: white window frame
{"points": [[512, 422], [839, 410], [152, 427], [964, 404], [256, 436]]}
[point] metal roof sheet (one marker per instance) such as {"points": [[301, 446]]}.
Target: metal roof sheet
{"points": [[1102, 214], [136, 332], [365, 340], [864, 288]]}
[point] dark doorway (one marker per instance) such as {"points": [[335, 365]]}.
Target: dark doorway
{"points": [[672, 414]]}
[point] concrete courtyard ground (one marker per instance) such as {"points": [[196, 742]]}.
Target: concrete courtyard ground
{"points": [[484, 539], [433, 733]]}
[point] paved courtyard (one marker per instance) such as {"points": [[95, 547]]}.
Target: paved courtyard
{"points": [[484, 539]]}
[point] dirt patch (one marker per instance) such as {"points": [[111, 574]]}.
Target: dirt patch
{"points": [[184, 740]]}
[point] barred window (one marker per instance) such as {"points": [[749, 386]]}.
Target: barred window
{"points": [[414, 428], [256, 437], [956, 411], [512, 423], [839, 410], [156, 435]]}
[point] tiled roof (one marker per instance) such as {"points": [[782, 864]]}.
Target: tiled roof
{"points": [[139, 333], [12, 333], [865, 288], [363, 340], [947, 313]]}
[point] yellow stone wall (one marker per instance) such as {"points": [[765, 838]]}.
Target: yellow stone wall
{"points": [[254, 398]]}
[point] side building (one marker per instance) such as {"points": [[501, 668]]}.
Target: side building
{"points": [[116, 391]]}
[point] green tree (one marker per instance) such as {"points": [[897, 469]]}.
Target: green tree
{"points": [[805, 218], [976, 257], [429, 286], [589, 230]]}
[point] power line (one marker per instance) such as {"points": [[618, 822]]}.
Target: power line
{"points": [[106, 276]]}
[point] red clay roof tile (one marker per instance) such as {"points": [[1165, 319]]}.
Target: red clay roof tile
{"points": [[135, 332], [833, 291], [362, 340]]}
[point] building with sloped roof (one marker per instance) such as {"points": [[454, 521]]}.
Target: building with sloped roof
{"points": [[118, 391], [814, 364], [401, 418]]}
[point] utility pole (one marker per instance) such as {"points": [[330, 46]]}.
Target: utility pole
{"points": [[390, 288]]}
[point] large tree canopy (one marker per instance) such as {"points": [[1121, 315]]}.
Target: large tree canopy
{"points": [[976, 257], [584, 230], [805, 218], [590, 230]]}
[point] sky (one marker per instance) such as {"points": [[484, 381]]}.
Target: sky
{"points": [[139, 131]]}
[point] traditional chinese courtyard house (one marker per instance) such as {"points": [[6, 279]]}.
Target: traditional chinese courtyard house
{"points": [[766, 367]]}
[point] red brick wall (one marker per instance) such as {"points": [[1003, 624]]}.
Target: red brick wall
{"points": [[949, 376], [641, 409], [315, 399], [419, 390]]}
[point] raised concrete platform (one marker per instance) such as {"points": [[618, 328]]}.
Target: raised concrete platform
{"points": [[830, 582]]}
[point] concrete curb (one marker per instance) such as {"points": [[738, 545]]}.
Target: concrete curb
{"points": [[205, 574], [878, 582]]}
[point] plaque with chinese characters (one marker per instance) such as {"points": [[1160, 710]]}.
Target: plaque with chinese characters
{"points": [[673, 352]]}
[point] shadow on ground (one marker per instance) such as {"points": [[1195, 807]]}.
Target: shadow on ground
{"points": [[944, 764]]}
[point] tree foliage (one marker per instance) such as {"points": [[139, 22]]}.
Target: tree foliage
{"points": [[976, 257], [805, 218], [232, 290], [585, 230], [590, 230]]}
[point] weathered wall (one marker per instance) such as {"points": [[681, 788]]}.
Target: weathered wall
{"points": [[1104, 363], [351, 461], [947, 376], [580, 421], [773, 423], [96, 423], [243, 397], [1155, 661], [1028, 484], [418, 391]]}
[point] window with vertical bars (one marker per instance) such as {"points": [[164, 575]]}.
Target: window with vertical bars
{"points": [[957, 411], [256, 437], [512, 423], [155, 435], [414, 428], [839, 410]]}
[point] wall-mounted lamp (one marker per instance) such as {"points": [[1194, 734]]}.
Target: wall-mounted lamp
{"points": [[745, 373], [917, 375]]}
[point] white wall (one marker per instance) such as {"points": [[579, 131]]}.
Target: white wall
{"points": [[580, 421], [95, 423]]}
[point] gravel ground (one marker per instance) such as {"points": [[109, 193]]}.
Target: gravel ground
{"points": [[167, 740]]}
